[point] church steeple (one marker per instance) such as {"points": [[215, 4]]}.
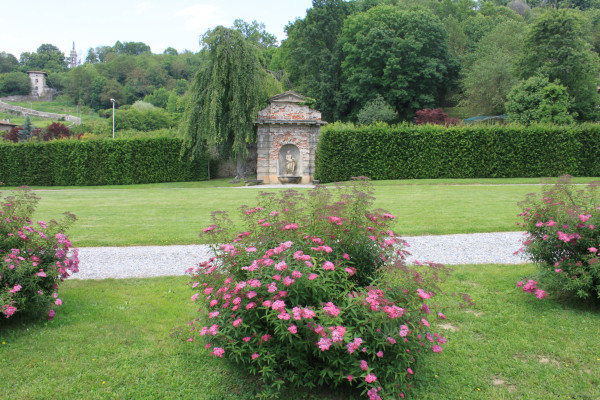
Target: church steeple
{"points": [[72, 60]]}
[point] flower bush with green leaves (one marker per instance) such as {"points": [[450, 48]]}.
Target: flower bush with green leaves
{"points": [[563, 238], [34, 257], [315, 291]]}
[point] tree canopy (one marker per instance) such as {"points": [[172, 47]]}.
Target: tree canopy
{"points": [[555, 47], [401, 55], [226, 96]]}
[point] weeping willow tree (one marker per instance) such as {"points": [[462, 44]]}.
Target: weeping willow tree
{"points": [[225, 97]]}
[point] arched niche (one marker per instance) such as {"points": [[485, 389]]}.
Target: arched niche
{"points": [[290, 161]]}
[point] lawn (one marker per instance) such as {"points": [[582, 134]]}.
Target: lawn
{"points": [[174, 213], [58, 107], [117, 339], [37, 122]]}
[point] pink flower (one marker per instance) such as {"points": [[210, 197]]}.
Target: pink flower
{"points": [[58, 302], [331, 310], [218, 351], [584, 217], [291, 227], [403, 330], [15, 289], [372, 394], [293, 329], [410, 371], [324, 343], [592, 250], [379, 354], [391, 340], [51, 315], [350, 378], [287, 281], [41, 274], [246, 339], [251, 249], [346, 256], [296, 274], [424, 321], [370, 378], [208, 229], [363, 365], [558, 270], [251, 294], [335, 220], [284, 316], [337, 333], [255, 356], [423, 294], [213, 314], [9, 310], [350, 271], [213, 329], [437, 349], [540, 294], [312, 276], [328, 266], [266, 337], [237, 322]]}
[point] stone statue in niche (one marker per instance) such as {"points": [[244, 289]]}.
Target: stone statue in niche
{"points": [[290, 164]]}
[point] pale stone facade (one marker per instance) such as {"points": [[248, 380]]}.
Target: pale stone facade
{"points": [[38, 82], [287, 136]]}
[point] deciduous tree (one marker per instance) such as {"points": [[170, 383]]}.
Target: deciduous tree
{"points": [[555, 47], [225, 97], [400, 54]]}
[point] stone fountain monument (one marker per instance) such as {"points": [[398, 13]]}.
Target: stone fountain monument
{"points": [[287, 136]]}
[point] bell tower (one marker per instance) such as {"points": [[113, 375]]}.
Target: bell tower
{"points": [[72, 59]]}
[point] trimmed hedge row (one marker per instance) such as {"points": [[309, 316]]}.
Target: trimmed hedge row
{"points": [[381, 152], [98, 162]]}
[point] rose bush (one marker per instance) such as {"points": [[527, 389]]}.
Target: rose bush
{"points": [[563, 237], [315, 291], [33, 257]]}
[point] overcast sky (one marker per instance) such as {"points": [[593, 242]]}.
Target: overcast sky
{"points": [[158, 23]]}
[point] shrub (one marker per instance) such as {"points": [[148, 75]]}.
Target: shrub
{"points": [[98, 162], [405, 151], [34, 257], [435, 116], [563, 226], [315, 292], [56, 131], [377, 110]]}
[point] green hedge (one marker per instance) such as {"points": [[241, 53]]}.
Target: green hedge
{"points": [[380, 151], [98, 162]]}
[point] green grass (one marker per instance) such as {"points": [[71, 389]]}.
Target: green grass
{"points": [[174, 213], [58, 107], [35, 121], [112, 339]]}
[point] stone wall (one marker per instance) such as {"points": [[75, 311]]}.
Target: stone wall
{"points": [[27, 111]]}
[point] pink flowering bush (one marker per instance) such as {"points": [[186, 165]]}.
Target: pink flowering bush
{"points": [[33, 257], [563, 237], [315, 292]]}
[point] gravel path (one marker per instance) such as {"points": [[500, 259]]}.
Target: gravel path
{"points": [[149, 261]]}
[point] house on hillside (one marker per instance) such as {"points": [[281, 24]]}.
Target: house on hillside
{"points": [[6, 125], [39, 87]]}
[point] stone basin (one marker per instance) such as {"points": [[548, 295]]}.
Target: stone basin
{"points": [[289, 179]]}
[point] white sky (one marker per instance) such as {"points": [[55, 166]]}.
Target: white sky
{"points": [[26, 24]]}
